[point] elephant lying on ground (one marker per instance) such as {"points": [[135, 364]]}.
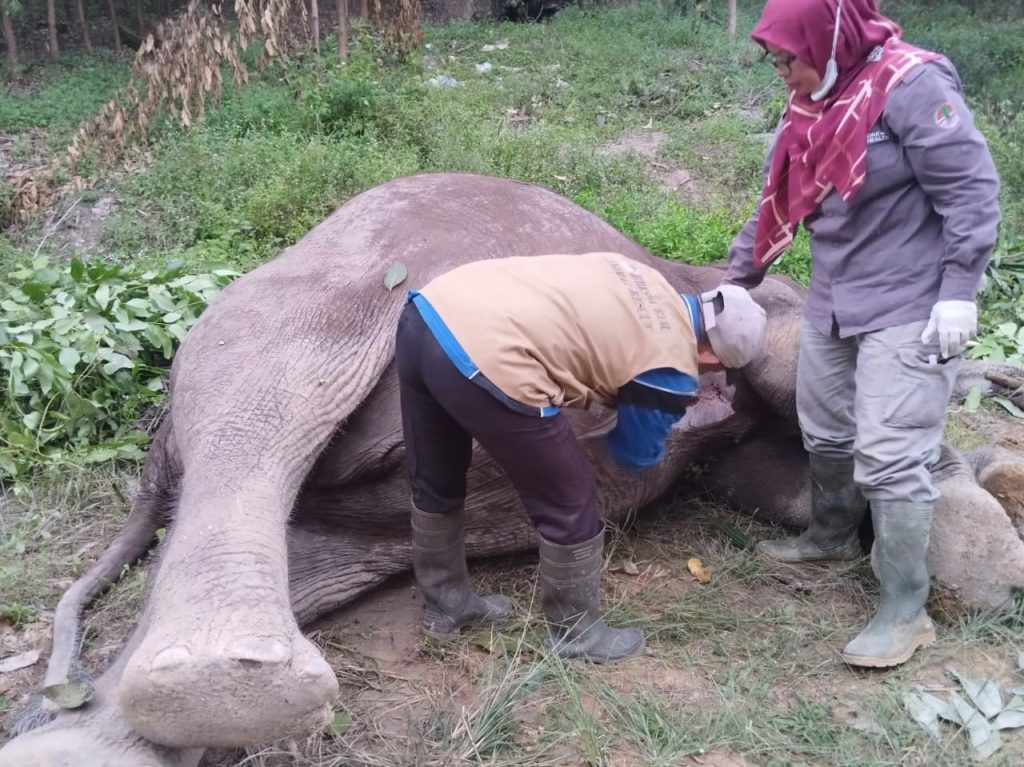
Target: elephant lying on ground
{"points": [[279, 472]]}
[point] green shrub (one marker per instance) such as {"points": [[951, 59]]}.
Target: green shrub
{"points": [[82, 349]]}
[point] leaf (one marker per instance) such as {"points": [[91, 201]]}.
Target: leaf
{"points": [[983, 693], [395, 276], [1020, 661], [16, 662], [69, 694], [1012, 716], [629, 567], [339, 724], [923, 713], [496, 643], [69, 358], [697, 570], [116, 362], [984, 739], [973, 399], [1009, 407]]}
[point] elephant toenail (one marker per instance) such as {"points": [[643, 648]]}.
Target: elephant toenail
{"points": [[255, 651], [170, 658]]}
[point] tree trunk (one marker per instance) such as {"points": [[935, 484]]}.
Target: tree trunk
{"points": [[362, 10], [314, 14], [138, 16], [113, 23], [86, 41], [9, 39], [731, 26], [342, 6], [51, 21]]}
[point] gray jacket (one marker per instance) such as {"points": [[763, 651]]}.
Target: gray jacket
{"points": [[921, 228]]}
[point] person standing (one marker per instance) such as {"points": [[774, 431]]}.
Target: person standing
{"points": [[878, 156], [492, 351]]}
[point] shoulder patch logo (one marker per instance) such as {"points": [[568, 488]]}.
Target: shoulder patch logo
{"points": [[946, 116]]}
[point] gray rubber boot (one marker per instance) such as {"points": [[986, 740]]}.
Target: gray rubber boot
{"points": [[901, 624], [837, 508], [570, 579], [439, 563]]}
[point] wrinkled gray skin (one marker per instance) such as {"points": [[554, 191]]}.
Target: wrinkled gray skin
{"points": [[280, 470]]}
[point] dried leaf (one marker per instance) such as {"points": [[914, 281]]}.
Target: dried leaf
{"points": [[15, 662], [69, 694], [697, 570], [984, 739], [923, 713], [983, 693], [395, 276], [629, 567]]}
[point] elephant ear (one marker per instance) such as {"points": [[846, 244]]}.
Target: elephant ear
{"points": [[395, 276]]}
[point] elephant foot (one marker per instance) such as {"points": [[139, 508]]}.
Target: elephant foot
{"points": [[1004, 480], [246, 683]]}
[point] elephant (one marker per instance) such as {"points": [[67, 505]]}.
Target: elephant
{"points": [[279, 472]]}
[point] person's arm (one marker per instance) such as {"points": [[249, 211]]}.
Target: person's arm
{"points": [[647, 408], [952, 163], [742, 271]]}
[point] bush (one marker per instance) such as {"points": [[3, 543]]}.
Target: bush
{"points": [[82, 349]]}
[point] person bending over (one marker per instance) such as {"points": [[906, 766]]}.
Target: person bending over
{"points": [[493, 350]]}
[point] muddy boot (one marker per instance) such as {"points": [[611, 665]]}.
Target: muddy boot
{"points": [[901, 624], [439, 563], [837, 508], [570, 578]]}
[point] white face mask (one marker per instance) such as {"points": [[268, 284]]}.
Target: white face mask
{"points": [[831, 68]]}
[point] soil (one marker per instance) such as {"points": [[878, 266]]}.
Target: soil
{"points": [[647, 144]]}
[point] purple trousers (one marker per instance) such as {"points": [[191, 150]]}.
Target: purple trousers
{"points": [[443, 412]]}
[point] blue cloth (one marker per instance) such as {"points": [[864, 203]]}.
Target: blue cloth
{"points": [[648, 407]]}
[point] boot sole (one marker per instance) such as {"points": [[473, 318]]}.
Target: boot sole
{"points": [[867, 661]]}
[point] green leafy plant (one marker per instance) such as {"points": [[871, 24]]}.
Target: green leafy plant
{"points": [[83, 347]]}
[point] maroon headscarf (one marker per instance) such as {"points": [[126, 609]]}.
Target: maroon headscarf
{"points": [[822, 145]]}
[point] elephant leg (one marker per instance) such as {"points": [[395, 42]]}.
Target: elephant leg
{"points": [[223, 662], [767, 478], [1001, 473], [327, 569], [975, 552]]}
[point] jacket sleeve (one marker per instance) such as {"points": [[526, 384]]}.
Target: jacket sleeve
{"points": [[953, 165], [742, 271], [647, 408]]}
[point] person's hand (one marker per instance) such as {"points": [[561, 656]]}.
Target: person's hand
{"points": [[953, 323]]}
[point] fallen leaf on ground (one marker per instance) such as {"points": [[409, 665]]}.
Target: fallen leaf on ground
{"points": [[15, 662], [697, 570], [340, 724], [69, 694]]}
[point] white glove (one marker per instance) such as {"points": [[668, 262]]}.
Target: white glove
{"points": [[953, 323]]}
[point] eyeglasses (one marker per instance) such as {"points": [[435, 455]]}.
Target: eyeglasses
{"points": [[782, 64]]}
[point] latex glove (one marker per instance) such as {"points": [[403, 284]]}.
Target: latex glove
{"points": [[953, 323]]}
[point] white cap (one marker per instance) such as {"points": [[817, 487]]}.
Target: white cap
{"points": [[734, 323]]}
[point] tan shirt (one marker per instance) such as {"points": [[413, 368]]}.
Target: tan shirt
{"points": [[565, 330]]}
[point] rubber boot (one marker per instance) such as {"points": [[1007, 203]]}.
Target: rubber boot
{"points": [[837, 508], [901, 624], [570, 579], [439, 563]]}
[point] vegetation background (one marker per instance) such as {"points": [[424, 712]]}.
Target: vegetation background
{"points": [[646, 113]]}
